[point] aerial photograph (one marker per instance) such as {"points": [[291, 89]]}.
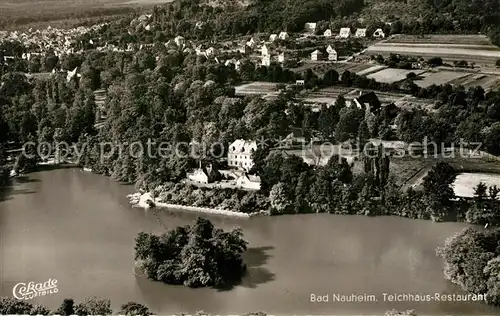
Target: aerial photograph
{"points": [[250, 157]]}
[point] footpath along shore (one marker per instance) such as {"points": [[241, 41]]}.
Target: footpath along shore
{"points": [[143, 200]]}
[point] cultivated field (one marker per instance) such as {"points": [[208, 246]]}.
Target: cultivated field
{"points": [[256, 88], [438, 78], [472, 48], [391, 75]]}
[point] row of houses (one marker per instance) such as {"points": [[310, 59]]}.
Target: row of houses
{"points": [[345, 32]]}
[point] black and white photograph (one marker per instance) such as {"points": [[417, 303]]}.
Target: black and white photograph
{"points": [[250, 157]]}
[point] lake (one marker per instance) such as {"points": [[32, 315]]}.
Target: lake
{"points": [[78, 228]]}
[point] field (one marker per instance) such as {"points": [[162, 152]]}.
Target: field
{"points": [[438, 78], [256, 88], [320, 68], [14, 13], [472, 48], [465, 182], [391, 75]]}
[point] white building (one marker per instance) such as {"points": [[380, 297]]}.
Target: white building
{"points": [[300, 82], [273, 37], [210, 51], [310, 27], [248, 182], [266, 61], [179, 41], [283, 36], [316, 55], [327, 33], [240, 154], [203, 175], [265, 50], [345, 32], [379, 33], [360, 33], [332, 53], [281, 57]]}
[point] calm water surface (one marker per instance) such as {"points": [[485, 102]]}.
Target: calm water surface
{"points": [[79, 229]]}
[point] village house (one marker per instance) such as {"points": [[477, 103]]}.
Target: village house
{"points": [[283, 36], [210, 52], [266, 61], [360, 33], [203, 175], [332, 53], [316, 55], [345, 32], [368, 101], [281, 57], [310, 27], [273, 37], [300, 82], [248, 182], [245, 49], [265, 50], [179, 41], [327, 33], [240, 154], [252, 43], [379, 33]]}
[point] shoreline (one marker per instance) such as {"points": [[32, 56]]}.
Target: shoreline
{"points": [[140, 200]]}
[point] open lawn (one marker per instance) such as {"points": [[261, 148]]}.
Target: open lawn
{"points": [[391, 75], [466, 182]]}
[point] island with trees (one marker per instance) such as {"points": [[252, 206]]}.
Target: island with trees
{"points": [[199, 255]]}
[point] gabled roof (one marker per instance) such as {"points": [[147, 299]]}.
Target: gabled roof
{"points": [[243, 146]]}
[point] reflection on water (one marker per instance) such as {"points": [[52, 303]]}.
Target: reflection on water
{"points": [[79, 229]]}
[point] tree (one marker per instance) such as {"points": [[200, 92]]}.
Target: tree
{"points": [[67, 308], [133, 308], [280, 201], [348, 124], [438, 189], [94, 306]]}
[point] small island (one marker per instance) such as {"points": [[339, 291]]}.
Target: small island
{"points": [[197, 255]]}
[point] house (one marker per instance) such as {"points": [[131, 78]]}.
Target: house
{"points": [[210, 52], [332, 53], [240, 154], [360, 33], [199, 25], [281, 57], [345, 32], [283, 36], [266, 61], [252, 43], [245, 49], [327, 33], [71, 74], [300, 82], [203, 175], [273, 37], [368, 101], [248, 182], [265, 50], [179, 41], [310, 27], [236, 63], [316, 55], [379, 33]]}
